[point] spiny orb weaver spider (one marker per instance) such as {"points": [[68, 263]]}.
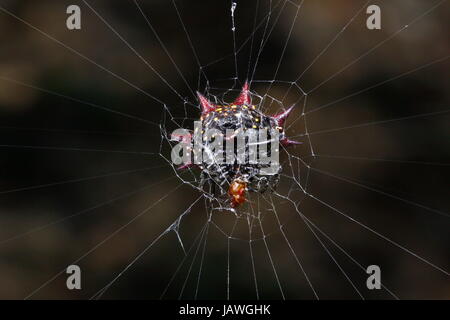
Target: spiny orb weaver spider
{"points": [[235, 179]]}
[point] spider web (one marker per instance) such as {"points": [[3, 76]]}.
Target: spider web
{"points": [[311, 235]]}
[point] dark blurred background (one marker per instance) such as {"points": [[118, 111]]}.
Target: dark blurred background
{"points": [[77, 144]]}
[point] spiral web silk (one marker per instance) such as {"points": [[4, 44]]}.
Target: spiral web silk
{"points": [[259, 250]]}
